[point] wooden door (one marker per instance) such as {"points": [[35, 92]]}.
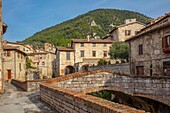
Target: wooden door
{"points": [[9, 74]]}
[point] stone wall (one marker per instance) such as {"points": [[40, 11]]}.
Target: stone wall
{"points": [[119, 33], [29, 85], [156, 88], [66, 101], [119, 68], [1, 51], [153, 55]]}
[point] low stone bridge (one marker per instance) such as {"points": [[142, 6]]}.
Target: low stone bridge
{"points": [[70, 93]]}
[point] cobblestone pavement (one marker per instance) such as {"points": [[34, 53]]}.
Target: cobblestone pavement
{"points": [[15, 100]]}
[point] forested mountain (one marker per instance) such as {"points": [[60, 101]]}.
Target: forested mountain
{"points": [[97, 22]]}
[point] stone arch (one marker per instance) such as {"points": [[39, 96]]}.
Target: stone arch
{"points": [[69, 69], [85, 67]]}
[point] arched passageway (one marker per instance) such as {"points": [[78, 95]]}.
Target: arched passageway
{"points": [[137, 102], [69, 70], [85, 67]]}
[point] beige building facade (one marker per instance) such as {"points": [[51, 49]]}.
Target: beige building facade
{"points": [[44, 61], [14, 63], [125, 31], [150, 49], [82, 53]]}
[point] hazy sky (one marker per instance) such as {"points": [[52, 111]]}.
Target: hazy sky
{"points": [[26, 17]]}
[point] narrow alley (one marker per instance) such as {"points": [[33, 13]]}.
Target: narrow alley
{"points": [[21, 102]]}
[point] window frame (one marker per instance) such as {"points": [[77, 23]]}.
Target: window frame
{"points": [[140, 50], [93, 53], [82, 53], [127, 32], [166, 41], [81, 44], [67, 55], [93, 44], [8, 53], [140, 70], [105, 53]]}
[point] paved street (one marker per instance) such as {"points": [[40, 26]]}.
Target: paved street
{"points": [[15, 100]]}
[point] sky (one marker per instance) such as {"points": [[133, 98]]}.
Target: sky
{"points": [[26, 17]]}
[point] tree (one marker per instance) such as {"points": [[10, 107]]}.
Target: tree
{"points": [[102, 62], [119, 50], [28, 63]]}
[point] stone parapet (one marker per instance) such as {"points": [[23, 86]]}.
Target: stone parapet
{"points": [[119, 68], [66, 101]]}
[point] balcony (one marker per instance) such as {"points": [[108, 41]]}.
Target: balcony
{"points": [[166, 50]]}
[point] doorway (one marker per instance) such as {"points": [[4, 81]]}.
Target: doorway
{"points": [[9, 74]]}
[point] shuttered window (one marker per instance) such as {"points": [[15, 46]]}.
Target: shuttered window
{"points": [[166, 41], [141, 49]]}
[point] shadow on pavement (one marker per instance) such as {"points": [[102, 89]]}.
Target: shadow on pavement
{"points": [[35, 99]]}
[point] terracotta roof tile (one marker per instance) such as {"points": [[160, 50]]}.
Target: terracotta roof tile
{"points": [[64, 49]]}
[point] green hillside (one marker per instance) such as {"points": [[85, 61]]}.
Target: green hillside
{"points": [[80, 27]]}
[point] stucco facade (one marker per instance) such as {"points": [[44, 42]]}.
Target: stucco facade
{"points": [[149, 50], [125, 31], [82, 53]]}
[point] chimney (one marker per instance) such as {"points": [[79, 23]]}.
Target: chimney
{"points": [[88, 38]]}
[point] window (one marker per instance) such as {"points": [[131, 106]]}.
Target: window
{"points": [[40, 56], [94, 44], [5, 53], [18, 55], [141, 49], [166, 41], [21, 56], [94, 53], [43, 63], [67, 55], [127, 32], [82, 53], [140, 70], [166, 68], [104, 53], [8, 53], [82, 44], [20, 66], [136, 32], [104, 45]]}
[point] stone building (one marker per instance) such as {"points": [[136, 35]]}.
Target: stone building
{"points": [[125, 31], [65, 60], [81, 54], [150, 49], [14, 63], [22, 47], [3, 28], [44, 60]]}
